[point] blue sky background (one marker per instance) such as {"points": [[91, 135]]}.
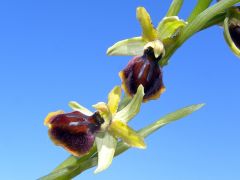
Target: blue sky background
{"points": [[52, 52]]}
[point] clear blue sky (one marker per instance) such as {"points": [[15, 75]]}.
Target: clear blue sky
{"points": [[52, 52]]}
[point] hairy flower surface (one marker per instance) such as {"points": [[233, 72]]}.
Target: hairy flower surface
{"points": [[146, 71], [116, 127], [73, 131], [77, 131], [147, 49]]}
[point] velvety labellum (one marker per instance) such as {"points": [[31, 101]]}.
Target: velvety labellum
{"points": [[75, 131], [146, 71], [234, 31]]}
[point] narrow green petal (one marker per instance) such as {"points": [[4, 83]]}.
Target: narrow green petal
{"points": [[106, 145], [127, 134], [127, 47], [169, 28], [114, 97], [128, 112], [73, 166], [228, 38], [77, 107], [149, 33]]}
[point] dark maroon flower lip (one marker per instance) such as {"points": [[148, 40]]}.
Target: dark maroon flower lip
{"points": [[146, 71], [234, 31], [74, 131]]}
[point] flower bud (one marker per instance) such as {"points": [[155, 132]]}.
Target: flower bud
{"points": [[73, 131], [146, 71], [232, 29]]}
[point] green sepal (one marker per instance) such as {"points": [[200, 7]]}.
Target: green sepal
{"points": [[68, 168], [77, 107], [114, 97], [128, 112], [149, 33], [169, 29], [106, 145], [135, 46], [127, 47], [127, 134]]}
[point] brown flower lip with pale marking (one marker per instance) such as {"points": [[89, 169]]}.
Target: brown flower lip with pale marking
{"points": [[74, 131], [143, 70]]}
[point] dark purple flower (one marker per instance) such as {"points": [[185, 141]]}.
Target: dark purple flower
{"points": [[234, 31], [73, 131], [143, 70]]}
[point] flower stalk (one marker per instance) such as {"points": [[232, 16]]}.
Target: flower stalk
{"points": [[197, 24], [74, 166], [115, 133]]}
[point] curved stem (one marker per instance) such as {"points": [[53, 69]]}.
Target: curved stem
{"points": [[75, 160], [196, 25], [75, 166], [217, 20]]}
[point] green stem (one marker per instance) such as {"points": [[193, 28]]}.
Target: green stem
{"points": [[175, 8], [75, 160], [74, 166], [196, 25], [217, 20], [201, 6]]}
